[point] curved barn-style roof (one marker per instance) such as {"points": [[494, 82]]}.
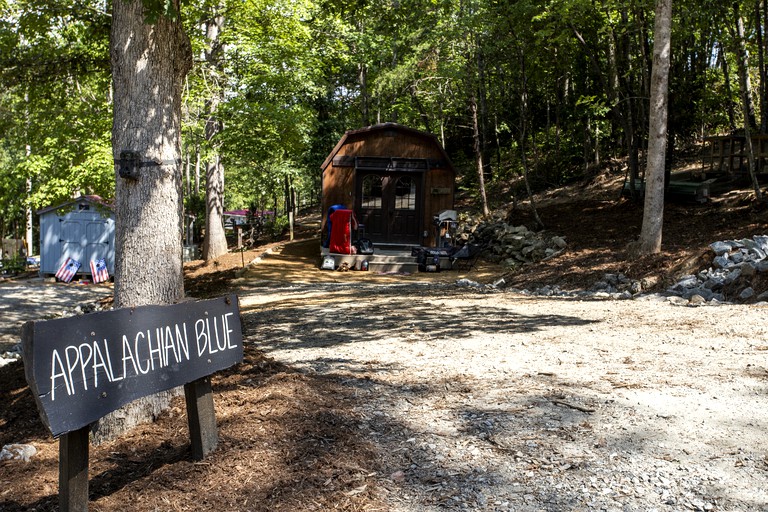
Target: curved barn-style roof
{"points": [[382, 127]]}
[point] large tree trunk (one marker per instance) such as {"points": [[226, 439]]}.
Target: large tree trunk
{"points": [[149, 63], [653, 213]]}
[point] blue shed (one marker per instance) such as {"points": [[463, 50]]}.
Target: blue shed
{"points": [[82, 229]]}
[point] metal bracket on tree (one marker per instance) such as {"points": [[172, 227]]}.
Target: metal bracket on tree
{"points": [[130, 162]]}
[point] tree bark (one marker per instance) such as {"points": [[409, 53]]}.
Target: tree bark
{"points": [[760, 65], [29, 214], [149, 63], [727, 84], [763, 22], [479, 157], [215, 243], [746, 100], [524, 134], [653, 213], [197, 170], [742, 60]]}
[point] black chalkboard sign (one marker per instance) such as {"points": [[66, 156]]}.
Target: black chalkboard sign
{"points": [[84, 367]]}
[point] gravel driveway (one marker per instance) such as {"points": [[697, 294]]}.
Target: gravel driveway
{"points": [[36, 299], [491, 400]]}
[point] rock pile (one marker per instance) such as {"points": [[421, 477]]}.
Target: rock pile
{"points": [[508, 245], [611, 286], [736, 264]]}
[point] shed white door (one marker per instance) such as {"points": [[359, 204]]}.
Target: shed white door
{"points": [[71, 241], [84, 241]]}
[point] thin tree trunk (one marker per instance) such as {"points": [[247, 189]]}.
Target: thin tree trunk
{"points": [[764, 75], [482, 107], [746, 100], [479, 157], [727, 84], [760, 65], [215, 242], [524, 134], [364, 107], [653, 212], [290, 202], [189, 174], [29, 236], [197, 170], [613, 96]]}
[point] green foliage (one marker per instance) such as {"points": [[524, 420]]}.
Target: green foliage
{"points": [[55, 114], [155, 9], [560, 82], [13, 266], [277, 226]]}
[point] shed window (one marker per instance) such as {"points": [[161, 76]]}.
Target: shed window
{"points": [[372, 191], [405, 193]]}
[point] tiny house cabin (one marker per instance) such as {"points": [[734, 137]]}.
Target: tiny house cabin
{"points": [[82, 229], [395, 179]]}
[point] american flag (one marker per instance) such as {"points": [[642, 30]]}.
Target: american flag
{"points": [[99, 270], [68, 270]]}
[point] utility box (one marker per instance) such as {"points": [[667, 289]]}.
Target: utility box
{"points": [[82, 229]]}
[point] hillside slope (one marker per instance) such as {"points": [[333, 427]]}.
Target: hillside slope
{"points": [[598, 224]]}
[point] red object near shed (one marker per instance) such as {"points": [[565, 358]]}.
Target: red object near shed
{"points": [[342, 224]]}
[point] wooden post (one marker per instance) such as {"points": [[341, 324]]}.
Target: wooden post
{"points": [[201, 417], [73, 471]]}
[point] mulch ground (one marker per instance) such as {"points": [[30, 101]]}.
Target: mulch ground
{"points": [[286, 442]]}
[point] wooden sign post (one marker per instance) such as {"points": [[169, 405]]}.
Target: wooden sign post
{"points": [[82, 368]]}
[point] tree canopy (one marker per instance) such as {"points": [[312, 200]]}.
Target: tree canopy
{"points": [[559, 88]]}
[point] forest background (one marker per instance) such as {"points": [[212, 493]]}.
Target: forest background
{"points": [[551, 90]]}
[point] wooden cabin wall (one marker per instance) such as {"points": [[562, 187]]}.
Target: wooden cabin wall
{"points": [[438, 192], [338, 188], [438, 196]]}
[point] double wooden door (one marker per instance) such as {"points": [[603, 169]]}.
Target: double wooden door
{"points": [[389, 205]]}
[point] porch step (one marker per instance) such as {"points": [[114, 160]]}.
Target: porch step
{"points": [[382, 260], [376, 262]]}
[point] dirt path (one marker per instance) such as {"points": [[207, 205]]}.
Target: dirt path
{"points": [[35, 299], [397, 393], [487, 400]]}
